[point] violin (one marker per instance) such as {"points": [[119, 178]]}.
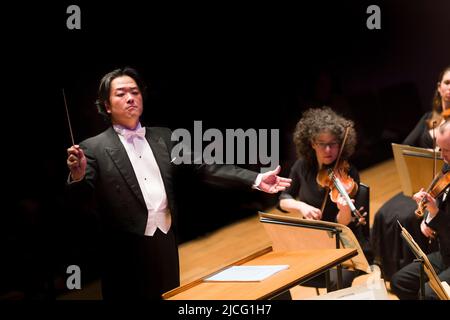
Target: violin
{"points": [[339, 182], [440, 182], [326, 176], [445, 114]]}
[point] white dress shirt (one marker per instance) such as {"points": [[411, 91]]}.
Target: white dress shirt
{"points": [[149, 179], [429, 218]]}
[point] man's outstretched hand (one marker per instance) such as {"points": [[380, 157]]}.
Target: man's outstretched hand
{"points": [[272, 183]]}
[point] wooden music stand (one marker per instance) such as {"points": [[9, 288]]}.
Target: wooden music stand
{"points": [[415, 167], [289, 233], [303, 266], [425, 266]]}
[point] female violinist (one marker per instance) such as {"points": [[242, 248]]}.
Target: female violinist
{"points": [[318, 139]]}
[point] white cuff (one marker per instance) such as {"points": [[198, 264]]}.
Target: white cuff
{"points": [[257, 182], [70, 180], [428, 219]]}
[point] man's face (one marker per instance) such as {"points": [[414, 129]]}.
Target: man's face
{"points": [[125, 101], [443, 141]]}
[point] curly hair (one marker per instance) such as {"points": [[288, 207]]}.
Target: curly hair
{"points": [[321, 120]]}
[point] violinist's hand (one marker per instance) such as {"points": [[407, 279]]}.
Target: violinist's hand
{"points": [[427, 231], [419, 195], [310, 212], [427, 199], [344, 215], [76, 162]]}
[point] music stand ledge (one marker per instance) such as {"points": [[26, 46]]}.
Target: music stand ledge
{"points": [[303, 265]]}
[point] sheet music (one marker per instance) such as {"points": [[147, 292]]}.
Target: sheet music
{"points": [[247, 273], [446, 287], [375, 290], [365, 295], [434, 281], [413, 166]]}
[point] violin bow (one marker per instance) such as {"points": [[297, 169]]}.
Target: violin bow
{"points": [[419, 211], [358, 215], [324, 202], [342, 148], [434, 150]]}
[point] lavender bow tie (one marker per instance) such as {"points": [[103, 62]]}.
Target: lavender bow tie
{"points": [[131, 134]]}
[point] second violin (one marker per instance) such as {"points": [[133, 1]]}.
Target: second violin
{"points": [[440, 182]]}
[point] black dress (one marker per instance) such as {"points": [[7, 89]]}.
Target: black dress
{"points": [[390, 251], [305, 188]]}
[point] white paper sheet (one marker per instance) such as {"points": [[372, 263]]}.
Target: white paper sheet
{"points": [[446, 287], [365, 295], [247, 273]]}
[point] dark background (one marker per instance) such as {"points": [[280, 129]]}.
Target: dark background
{"points": [[226, 64]]}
